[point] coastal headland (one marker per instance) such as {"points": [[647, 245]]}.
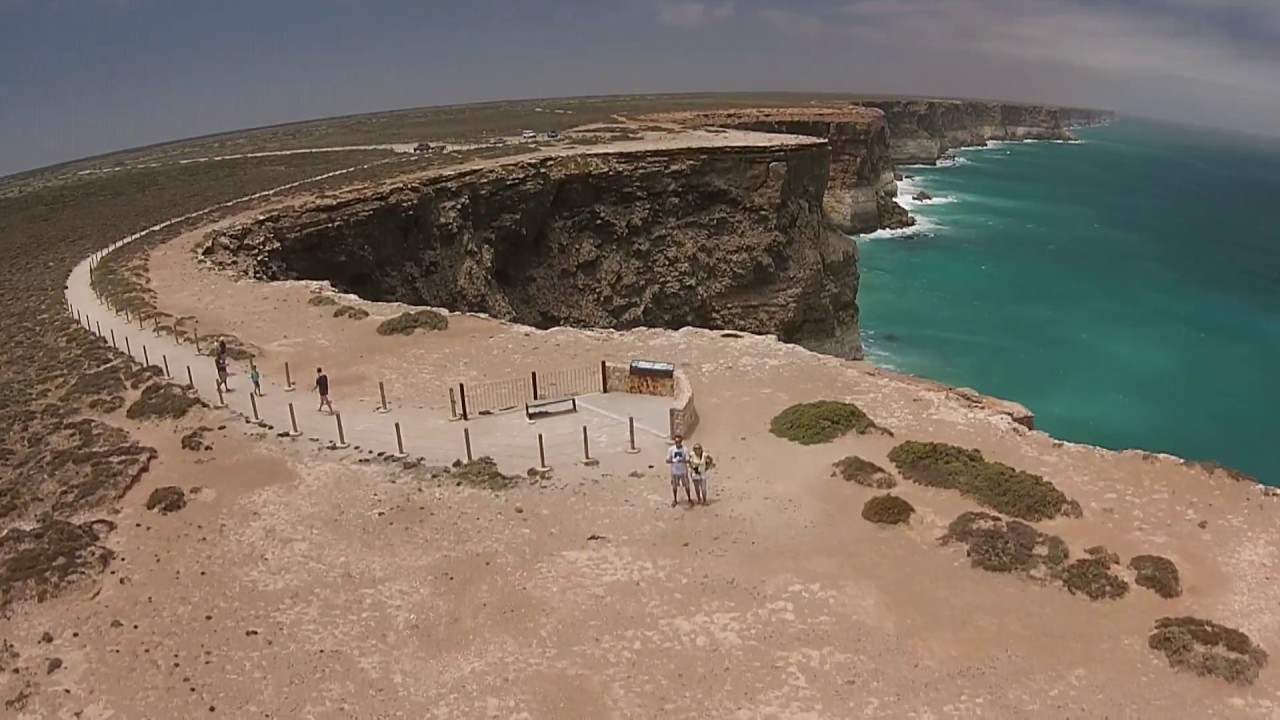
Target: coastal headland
{"points": [[174, 552]]}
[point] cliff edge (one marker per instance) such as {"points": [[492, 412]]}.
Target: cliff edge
{"points": [[725, 234], [921, 131]]}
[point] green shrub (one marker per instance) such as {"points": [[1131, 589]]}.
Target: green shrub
{"points": [[1208, 649], [994, 485], [1157, 574], [995, 544], [822, 421], [865, 473], [407, 323], [1092, 577], [887, 510], [321, 300]]}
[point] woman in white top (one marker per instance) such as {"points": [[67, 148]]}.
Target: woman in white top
{"points": [[699, 463]]}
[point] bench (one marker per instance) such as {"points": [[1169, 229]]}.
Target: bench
{"points": [[553, 406]]}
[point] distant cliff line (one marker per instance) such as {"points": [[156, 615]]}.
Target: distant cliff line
{"points": [[869, 138]]}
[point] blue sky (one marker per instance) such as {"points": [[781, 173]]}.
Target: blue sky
{"points": [[80, 77]]}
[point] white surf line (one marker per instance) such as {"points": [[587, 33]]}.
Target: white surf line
{"points": [[365, 427]]}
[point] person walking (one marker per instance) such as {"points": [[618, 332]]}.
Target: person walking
{"points": [[256, 378], [322, 387], [699, 463], [220, 363], [678, 459]]}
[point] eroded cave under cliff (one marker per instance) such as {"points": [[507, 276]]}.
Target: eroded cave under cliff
{"points": [[725, 239]]}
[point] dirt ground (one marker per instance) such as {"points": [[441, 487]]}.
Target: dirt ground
{"points": [[295, 585]]}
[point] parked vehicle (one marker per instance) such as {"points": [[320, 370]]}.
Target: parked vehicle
{"points": [[529, 135], [497, 141], [423, 147], [552, 134]]}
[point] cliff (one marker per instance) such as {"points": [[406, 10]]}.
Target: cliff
{"points": [[921, 131], [861, 187], [719, 236]]}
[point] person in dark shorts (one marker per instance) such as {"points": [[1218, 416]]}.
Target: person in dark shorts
{"points": [[220, 363], [322, 387]]}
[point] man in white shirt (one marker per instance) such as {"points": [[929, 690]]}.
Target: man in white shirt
{"points": [[678, 459]]}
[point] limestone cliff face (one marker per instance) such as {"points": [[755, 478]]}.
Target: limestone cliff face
{"points": [[921, 131], [861, 175], [716, 237]]}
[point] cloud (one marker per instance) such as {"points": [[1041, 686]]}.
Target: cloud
{"points": [[692, 14]]}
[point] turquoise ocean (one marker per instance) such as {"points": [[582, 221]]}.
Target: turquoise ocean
{"points": [[1126, 288]]}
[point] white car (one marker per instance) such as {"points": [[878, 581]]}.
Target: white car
{"points": [[529, 135]]}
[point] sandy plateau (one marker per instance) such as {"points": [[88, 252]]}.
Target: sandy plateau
{"points": [[305, 584]]}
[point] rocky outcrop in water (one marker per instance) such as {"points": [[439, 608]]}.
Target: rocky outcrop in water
{"points": [[720, 236], [861, 177], [921, 131]]}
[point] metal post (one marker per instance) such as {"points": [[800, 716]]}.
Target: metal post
{"points": [[466, 438], [288, 380], [77, 316], [631, 432], [382, 392], [253, 402], [533, 379], [195, 337], [604, 377], [342, 438], [586, 446], [99, 324], [113, 338], [146, 359], [126, 316], [127, 347], [191, 381], [140, 325], [399, 442], [453, 404], [542, 453], [165, 358], [462, 398], [293, 422], [156, 329]]}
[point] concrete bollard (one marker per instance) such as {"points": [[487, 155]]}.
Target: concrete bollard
{"points": [[165, 358], [542, 455], [631, 432], [253, 402], [382, 392], [466, 439], [342, 437], [400, 453], [288, 380], [293, 422]]}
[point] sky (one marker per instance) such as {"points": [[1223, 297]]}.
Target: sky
{"points": [[83, 77]]}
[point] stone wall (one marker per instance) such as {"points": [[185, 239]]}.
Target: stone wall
{"points": [[683, 415]]}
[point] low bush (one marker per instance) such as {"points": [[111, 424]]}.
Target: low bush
{"points": [[1208, 649], [995, 485], [1092, 577], [822, 421], [865, 473], [887, 510], [408, 323], [1157, 574]]}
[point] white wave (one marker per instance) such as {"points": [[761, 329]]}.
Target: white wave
{"points": [[953, 161], [924, 227], [907, 189]]}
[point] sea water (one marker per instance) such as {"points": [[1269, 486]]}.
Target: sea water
{"points": [[1126, 288]]}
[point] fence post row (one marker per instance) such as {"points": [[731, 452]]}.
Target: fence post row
{"points": [[533, 380]]}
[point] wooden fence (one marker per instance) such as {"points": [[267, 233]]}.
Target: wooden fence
{"points": [[495, 396]]}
